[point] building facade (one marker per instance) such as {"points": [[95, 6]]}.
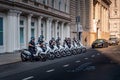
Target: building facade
{"points": [[114, 19], [22, 19], [101, 28], [94, 19]]}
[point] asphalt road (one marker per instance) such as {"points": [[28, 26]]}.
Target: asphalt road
{"points": [[91, 65]]}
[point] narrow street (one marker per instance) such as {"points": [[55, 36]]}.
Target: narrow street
{"points": [[36, 35], [92, 65]]}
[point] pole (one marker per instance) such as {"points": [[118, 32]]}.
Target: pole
{"points": [[77, 32], [78, 21]]}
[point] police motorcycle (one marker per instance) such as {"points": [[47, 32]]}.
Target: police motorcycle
{"points": [[82, 47], [31, 53], [43, 52], [70, 46], [60, 48], [54, 50], [49, 52], [68, 49], [38, 53], [73, 49], [26, 54], [78, 49]]}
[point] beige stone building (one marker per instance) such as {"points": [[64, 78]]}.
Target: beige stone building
{"points": [[94, 19], [115, 19]]}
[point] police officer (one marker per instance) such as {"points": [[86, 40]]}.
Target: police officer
{"points": [[69, 42], [52, 43], [58, 42], [41, 38], [65, 41], [42, 45], [31, 47]]}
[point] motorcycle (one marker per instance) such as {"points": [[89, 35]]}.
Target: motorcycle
{"points": [[61, 51], [83, 47], [47, 52], [55, 52], [77, 48], [26, 54], [67, 50]]}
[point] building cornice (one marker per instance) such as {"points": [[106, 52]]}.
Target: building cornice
{"points": [[108, 2], [114, 18], [26, 6], [105, 3]]}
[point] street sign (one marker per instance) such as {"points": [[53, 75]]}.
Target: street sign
{"points": [[79, 28]]}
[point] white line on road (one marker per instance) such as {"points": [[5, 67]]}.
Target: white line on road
{"points": [[66, 65], [98, 54], [51, 70], [28, 78], [78, 61], [86, 58], [93, 56]]}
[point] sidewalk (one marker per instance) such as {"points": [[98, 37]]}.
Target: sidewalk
{"points": [[7, 58]]}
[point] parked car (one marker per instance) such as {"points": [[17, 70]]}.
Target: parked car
{"points": [[100, 43], [113, 41]]}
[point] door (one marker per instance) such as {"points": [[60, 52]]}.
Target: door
{"points": [[1, 31]]}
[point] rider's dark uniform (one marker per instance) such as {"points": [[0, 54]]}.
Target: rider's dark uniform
{"points": [[58, 42], [32, 48]]}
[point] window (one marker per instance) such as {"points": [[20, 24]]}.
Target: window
{"points": [[32, 32], [93, 11], [32, 24], [1, 31], [65, 7], [36, 4], [21, 31], [44, 1], [58, 31], [53, 3], [42, 29], [59, 4], [21, 35], [21, 22], [115, 12], [115, 3], [25, 1], [52, 30], [32, 29]]}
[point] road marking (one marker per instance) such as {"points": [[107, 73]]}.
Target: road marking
{"points": [[98, 54], [28, 78], [66, 65], [93, 56], [86, 58], [78, 61], [51, 70]]}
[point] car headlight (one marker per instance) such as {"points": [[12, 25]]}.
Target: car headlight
{"points": [[99, 43]]}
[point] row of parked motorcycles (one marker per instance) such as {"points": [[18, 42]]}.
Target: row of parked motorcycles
{"points": [[52, 53]]}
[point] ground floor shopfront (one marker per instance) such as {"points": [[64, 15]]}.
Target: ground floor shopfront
{"points": [[16, 29]]}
